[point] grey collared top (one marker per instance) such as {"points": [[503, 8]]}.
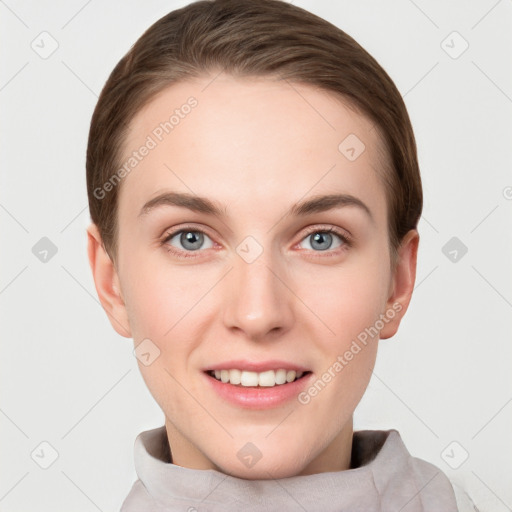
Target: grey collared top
{"points": [[384, 477]]}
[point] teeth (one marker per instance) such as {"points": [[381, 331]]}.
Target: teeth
{"points": [[235, 376], [280, 376], [268, 378], [248, 379]]}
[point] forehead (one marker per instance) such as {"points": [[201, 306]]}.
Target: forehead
{"points": [[252, 139]]}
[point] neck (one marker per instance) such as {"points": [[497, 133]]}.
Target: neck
{"points": [[336, 456]]}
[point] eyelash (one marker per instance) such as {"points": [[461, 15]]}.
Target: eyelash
{"points": [[343, 235]]}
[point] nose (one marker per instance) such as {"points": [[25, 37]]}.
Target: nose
{"points": [[258, 302]]}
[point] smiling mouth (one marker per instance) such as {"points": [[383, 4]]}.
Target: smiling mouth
{"points": [[269, 378]]}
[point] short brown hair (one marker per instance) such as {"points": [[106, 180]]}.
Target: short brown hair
{"points": [[247, 38]]}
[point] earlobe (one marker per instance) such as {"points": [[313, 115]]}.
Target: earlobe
{"points": [[106, 281], [402, 283]]}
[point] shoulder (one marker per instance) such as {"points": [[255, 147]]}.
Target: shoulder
{"points": [[402, 479], [433, 484], [136, 497], [139, 500]]}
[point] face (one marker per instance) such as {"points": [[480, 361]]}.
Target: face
{"points": [[254, 268]]}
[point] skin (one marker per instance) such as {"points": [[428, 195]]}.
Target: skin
{"points": [[255, 147]]}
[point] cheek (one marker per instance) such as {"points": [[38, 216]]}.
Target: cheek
{"points": [[353, 307], [347, 300], [163, 305], [350, 309], [158, 297], [149, 309]]}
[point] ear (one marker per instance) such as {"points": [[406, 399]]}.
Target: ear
{"points": [[402, 283], [107, 283]]}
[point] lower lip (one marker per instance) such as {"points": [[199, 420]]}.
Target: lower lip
{"points": [[259, 397]]}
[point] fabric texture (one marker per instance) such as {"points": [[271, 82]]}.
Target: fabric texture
{"points": [[384, 478]]}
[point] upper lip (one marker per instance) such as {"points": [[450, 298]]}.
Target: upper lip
{"points": [[255, 366]]}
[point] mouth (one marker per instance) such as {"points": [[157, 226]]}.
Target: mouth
{"points": [[257, 385], [253, 379]]}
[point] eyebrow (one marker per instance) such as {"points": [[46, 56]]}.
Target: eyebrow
{"points": [[316, 204]]}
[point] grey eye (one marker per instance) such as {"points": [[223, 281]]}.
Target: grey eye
{"points": [[322, 240], [191, 240]]}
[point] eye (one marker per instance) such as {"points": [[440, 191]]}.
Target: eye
{"points": [[188, 240], [325, 239]]}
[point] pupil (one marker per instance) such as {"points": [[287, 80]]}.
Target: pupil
{"points": [[190, 238], [320, 238]]}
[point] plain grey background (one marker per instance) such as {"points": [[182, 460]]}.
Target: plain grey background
{"points": [[70, 382]]}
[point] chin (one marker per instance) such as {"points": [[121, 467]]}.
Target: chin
{"points": [[267, 470], [271, 462]]}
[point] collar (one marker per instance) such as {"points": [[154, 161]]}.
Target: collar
{"points": [[383, 477]]}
